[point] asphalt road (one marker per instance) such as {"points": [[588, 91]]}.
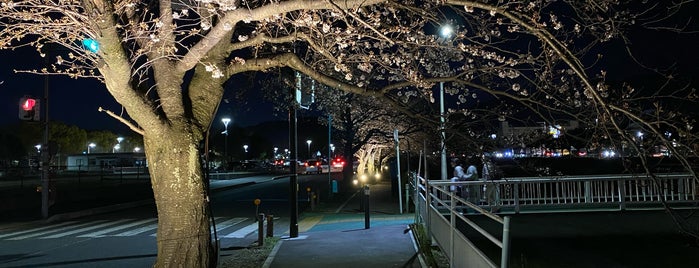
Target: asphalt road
{"points": [[126, 238]]}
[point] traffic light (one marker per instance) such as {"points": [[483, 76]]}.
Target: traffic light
{"points": [[29, 108]]}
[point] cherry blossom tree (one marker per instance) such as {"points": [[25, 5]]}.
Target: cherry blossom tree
{"points": [[167, 63]]}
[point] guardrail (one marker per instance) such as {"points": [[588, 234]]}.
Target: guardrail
{"points": [[430, 202], [440, 209], [587, 193]]}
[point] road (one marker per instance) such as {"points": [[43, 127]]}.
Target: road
{"points": [[126, 238]]}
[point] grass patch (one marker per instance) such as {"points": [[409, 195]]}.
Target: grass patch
{"points": [[250, 257], [432, 255]]}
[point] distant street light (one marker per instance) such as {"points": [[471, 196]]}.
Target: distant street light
{"points": [[245, 147], [117, 147], [91, 145], [136, 149], [225, 121], [309, 148]]}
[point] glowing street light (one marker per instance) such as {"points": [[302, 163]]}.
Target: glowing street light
{"points": [[245, 147], [91, 145], [225, 122], [309, 148]]}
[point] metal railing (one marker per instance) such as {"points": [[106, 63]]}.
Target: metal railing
{"points": [[432, 197], [440, 209], [588, 193]]}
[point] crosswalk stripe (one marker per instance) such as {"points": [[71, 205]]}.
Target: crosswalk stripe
{"points": [[243, 232], [143, 229], [115, 228], [36, 229], [121, 228], [228, 223], [85, 229], [52, 231]]}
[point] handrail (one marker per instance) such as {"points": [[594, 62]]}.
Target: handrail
{"points": [[438, 208]]}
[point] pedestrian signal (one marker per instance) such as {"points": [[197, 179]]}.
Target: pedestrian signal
{"points": [[29, 109]]}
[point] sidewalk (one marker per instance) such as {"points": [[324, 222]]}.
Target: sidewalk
{"points": [[332, 235], [339, 238]]}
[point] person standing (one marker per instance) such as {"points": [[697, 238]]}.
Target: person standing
{"points": [[491, 189], [471, 174]]}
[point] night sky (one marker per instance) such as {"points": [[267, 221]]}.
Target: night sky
{"points": [[75, 102]]}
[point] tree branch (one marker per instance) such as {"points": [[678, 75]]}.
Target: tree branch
{"points": [[122, 120]]}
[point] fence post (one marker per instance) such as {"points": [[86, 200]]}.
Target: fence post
{"points": [[515, 193], [680, 189], [505, 254], [588, 192], [622, 194]]}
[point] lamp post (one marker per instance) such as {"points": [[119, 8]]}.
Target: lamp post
{"points": [[245, 147], [445, 32], [225, 121], [91, 145], [309, 148]]}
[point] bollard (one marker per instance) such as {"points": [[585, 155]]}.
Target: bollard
{"points": [[270, 225], [366, 207], [257, 206], [260, 229]]}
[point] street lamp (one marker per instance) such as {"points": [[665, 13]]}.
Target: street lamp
{"points": [[91, 145], [245, 147], [275, 152], [309, 148], [445, 32], [225, 121]]}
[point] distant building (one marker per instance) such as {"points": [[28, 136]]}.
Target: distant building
{"points": [[507, 131], [117, 162]]}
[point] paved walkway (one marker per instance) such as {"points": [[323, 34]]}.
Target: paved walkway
{"points": [[339, 238]]}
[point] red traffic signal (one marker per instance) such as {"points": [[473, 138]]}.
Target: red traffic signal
{"points": [[28, 104], [29, 109]]}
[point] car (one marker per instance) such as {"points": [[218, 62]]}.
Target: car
{"points": [[313, 166], [337, 164]]}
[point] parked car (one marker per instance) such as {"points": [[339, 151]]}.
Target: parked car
{"points": [[313, 166]]}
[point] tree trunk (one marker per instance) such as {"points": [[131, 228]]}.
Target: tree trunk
{"points": [[183, 235]]}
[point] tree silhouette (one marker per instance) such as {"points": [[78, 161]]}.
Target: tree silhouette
{"points": [[166, 62]]}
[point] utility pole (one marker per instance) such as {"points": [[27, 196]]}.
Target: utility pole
{"points": [[45, 151]]}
